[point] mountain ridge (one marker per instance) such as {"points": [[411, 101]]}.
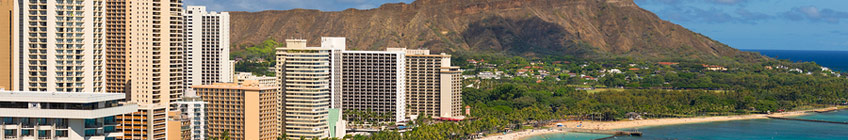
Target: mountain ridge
{"points": [[583, 28]]}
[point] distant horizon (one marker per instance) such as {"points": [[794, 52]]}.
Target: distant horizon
{"points": [[826, 58], [787, 50]]}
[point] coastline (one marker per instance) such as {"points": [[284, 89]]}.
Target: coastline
{"points": [[612, 125], [524, 134]]}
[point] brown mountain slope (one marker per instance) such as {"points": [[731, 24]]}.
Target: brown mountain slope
{"points": [[584, 28]]}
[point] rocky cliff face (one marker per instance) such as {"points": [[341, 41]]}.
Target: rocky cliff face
{"points": [[583, 28]]}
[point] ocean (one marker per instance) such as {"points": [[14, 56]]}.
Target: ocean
{"points": [[836, 60], [758, 129]]}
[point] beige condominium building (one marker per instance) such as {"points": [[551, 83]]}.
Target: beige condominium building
{"points": [[432, 84], [59, 45], [149, 122], [311, 85], [6, 59], [116, 46], [149, 33], [207, 48], [247, 111], [155, 38], [373, 83]]}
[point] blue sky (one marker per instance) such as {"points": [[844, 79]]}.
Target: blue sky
{"points": [[743, 24]]}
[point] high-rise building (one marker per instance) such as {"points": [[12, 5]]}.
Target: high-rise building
{"points": [[310, 78], [432, 84], [30, 115], [247, 111], [116, 46], [193, 110], [207, 47], [155, 37], [6, 57], [59, 45], [154, 41], [373, 83]]}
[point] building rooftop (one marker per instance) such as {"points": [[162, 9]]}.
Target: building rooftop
{"points": [[59, 97], [247, 85], [374, 52]]}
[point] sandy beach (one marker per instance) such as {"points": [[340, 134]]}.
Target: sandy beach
{"points": [[523, 134], [633, 124]]}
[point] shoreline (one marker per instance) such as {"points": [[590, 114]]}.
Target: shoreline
{"points": [[625, 124]]}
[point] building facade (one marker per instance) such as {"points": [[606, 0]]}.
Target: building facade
{"points": [[432, 84], [59, 45], [116, 46], [61, 115], [246, 112], [154, 37], [207, 47], [193, 110], [310, 78], [373, 83], [149, 122], [6, 58]]}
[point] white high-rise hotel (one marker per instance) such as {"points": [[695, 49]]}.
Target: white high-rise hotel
{"points": [[59, 45], [207, 50], [310, 78]]}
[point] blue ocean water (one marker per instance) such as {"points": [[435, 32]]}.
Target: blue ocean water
{"points": [[839, 116], [569, 136], [759, 129], [836, 60]]}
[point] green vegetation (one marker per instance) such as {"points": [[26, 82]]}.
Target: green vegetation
{"points": [[256, 58], [224, 136], [531, 92]]}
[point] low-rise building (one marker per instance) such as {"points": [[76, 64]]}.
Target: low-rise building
{"points": [[265, 81]]}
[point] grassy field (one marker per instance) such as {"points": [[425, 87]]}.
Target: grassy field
{"points": [[605, 89]]}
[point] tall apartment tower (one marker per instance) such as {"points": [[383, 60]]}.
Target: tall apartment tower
{"points": [[6, 59], [207, 48], [374, 82], [247, 111], [59, 45], [310, 78], [432, 84], [153, 37], [116, 46]]}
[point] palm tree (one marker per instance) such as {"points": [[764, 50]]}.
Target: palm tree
{"points": [[225, 135]]}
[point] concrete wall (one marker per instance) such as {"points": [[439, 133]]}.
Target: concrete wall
{"points": [[251, 115]]}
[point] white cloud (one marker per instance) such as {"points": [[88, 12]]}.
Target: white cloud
{"points": [[815, 14]]}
